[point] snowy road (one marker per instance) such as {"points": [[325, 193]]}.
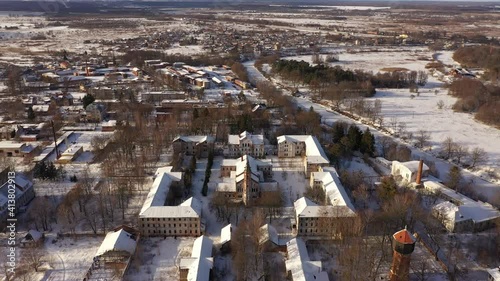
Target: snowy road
{"points": [[489, 190]]}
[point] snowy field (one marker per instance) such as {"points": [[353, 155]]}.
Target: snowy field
{"points": [[157, 259]]}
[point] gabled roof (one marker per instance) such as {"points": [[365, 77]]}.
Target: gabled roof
{"points": [[196, 139], [306, 208], [413, 166], [118, 241], [268, 233], [200, 262], [299, 264], [154, 205], [226, 234], [333, 188], [467, 207]]}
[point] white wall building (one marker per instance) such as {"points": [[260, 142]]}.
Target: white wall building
{"points": [[408, 170], [459, 213], [198, 266]]}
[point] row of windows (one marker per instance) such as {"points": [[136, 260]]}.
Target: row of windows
{"points": [[169, 219], [169, 225], [171, 232]]}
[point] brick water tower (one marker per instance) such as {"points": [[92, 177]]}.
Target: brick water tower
{"points": [[403, 245]]}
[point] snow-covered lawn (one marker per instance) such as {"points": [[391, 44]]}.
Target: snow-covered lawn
{"points": [[158, 259]]}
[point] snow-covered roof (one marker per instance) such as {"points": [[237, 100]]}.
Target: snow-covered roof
{"points": [[412, 165], [119, 240], [243, 163], [158, 193], [333, 188], [306, 208], [237, 139], [268, 233], [299, 264], [494, 273], [34, 236], [200, 262], [464, 207], [314, 152], [22, 185], [196, 139], [153, 206], [225, 233], [11, 145]]}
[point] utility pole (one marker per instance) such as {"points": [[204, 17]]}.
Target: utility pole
{"points": [[55, 139]]}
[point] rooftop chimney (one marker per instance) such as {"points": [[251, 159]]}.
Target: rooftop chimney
{"points": [[419, 172]]}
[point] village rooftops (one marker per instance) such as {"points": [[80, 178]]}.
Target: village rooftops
{"points": [[463, 207], [299, 264], [314, 152], [119, 240]]}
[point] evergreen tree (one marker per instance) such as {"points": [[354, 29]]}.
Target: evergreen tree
{"points": [[454, 178], [196, 114], [31, 113], [338, 131], [87, 99], [388, 188], [367, 143], [354, 135]]}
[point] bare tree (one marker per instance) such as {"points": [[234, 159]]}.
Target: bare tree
{"points": [[34, 257], [422, 138], [478, 156], [440, 104], [461, 152], [449, 147]]}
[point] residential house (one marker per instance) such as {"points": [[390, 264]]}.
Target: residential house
{"points": [[305, 146], [245, 143], [16, 149], [199, 266], [33, 238], [199, 146], [24, 193]]}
